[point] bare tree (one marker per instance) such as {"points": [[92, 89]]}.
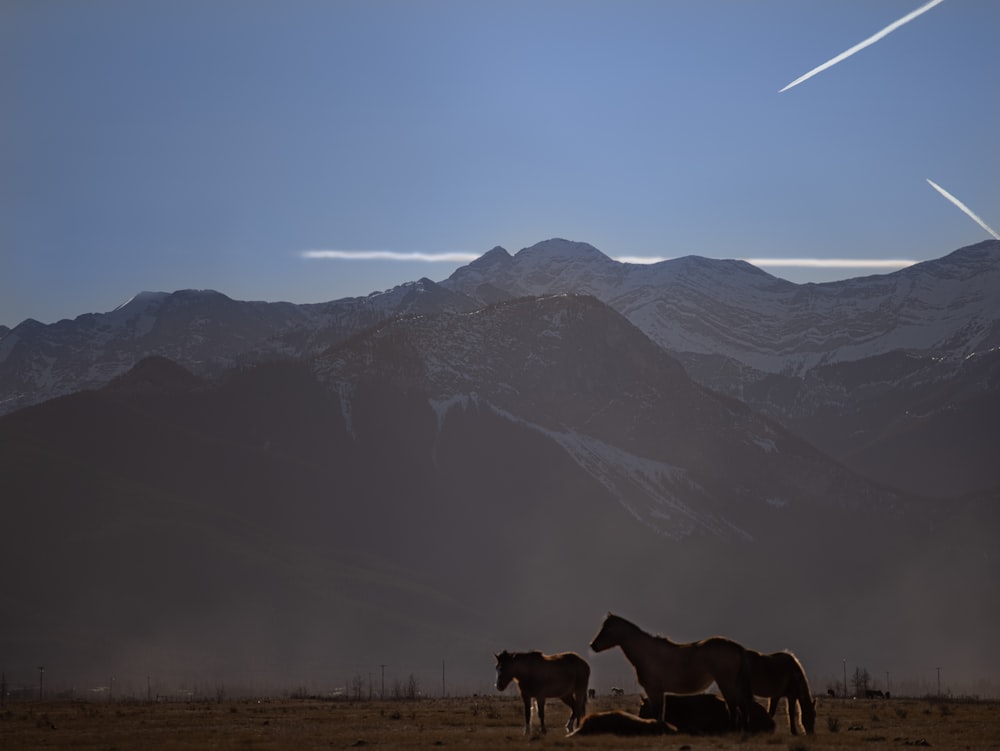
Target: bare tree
{"points": [[357, 684], [412, 687], [860, 681]]}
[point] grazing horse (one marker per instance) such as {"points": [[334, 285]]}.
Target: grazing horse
{"points": [[617, 722], [540, 676], [663, 666], [705, 714], [780, 674]]}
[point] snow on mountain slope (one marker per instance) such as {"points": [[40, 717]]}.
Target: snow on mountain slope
{"points": [[730, 308], [575, 371]]}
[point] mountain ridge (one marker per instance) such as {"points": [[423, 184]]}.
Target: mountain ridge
{"points": [[425, 491], [782, 348]]}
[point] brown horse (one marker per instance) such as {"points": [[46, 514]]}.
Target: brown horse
{"points": [[780, 674], [617, 722], [663, 666], [705, 714], [540, 676]]}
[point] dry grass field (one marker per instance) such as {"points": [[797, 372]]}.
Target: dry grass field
{"points": [[475, 723]]}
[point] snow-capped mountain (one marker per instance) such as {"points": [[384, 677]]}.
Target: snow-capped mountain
{"points": [[418, 489], [695, 306], [204, 330], [820, 358]]}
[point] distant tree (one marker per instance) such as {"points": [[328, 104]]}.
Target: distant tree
{"points": [[860, 681], [412, 688], [357, 684]]}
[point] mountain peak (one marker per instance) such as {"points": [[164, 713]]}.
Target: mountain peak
{"points": [[557, 247]]}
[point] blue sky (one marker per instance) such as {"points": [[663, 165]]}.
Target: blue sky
{"points": [[174, 144]]}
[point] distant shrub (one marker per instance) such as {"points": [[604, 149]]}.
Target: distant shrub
{"points": [[833, 724]]}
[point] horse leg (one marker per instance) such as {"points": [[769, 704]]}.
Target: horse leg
{"points": [[540, 701], [739, 710], [793, 715], [656, 705], [527, 713], [570, 701]]}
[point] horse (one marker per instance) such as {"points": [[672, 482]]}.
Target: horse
{"points": [[704, 714], [778, 675], [617, 722], [540, 676], [663, 666]]}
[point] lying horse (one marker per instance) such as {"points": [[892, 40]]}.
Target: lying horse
{"points": [[617, 722], [780, 674], [540, 676], [663, 666], [705, 714]]}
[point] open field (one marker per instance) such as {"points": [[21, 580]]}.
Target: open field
{"points": [[492, 722]]}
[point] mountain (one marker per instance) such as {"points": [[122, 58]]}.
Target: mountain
{"points": [[204, 330], [884, 373], [441, 487]]}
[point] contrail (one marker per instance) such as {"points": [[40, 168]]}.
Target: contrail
{"points": [[964, 208], [866, 43], [391, 255], [805, 263]]}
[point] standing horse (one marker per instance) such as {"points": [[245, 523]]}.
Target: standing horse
{"points": [[540, 676], [780, 674], [663, 666]]}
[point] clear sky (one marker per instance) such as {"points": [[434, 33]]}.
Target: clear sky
{"points": [[171, 144]]}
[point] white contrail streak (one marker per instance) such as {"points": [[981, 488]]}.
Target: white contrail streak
{"points": [[866, 43], [964, 208], [391, 255], [804, 263]]}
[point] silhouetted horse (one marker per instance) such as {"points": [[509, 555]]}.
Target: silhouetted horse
{"points": [[539, 676], [705, 714], [617, 722], [778, 675], [663, 666]]}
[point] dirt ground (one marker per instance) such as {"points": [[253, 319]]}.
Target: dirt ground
{"points": [[493, 722]]}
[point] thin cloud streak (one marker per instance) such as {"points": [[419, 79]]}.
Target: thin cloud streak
{"points": [[861, 45], [802, 263], [964, 208], [391, 255]]}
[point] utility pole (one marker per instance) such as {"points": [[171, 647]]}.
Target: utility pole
{"points": [[383, 682], [845, 678], [939, 681], [41, 680], [442, 680], [887, 683]]}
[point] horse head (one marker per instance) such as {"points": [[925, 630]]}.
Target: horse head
{"points": [[505, 669], [610, 634], [807, 708]]}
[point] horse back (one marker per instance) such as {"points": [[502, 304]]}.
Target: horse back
{"points": [[553, 674]]}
